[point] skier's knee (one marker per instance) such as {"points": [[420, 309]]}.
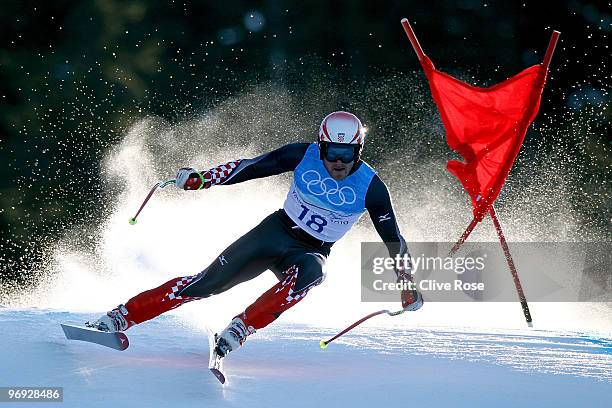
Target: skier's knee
{"points": [[310, 272], [200, 286]]}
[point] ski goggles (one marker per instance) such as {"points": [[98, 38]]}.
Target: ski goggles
{"points": [[346, 153]]}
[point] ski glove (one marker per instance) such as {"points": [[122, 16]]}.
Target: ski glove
{"points": [[411, 298], [188, 178]]}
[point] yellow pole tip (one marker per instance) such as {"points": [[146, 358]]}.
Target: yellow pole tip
{"points": [[323, 344], [132, 221]]}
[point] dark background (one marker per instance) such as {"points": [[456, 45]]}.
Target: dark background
{"points": [[75, 74]]}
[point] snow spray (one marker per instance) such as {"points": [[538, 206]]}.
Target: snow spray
{"points": [[182, 232]]}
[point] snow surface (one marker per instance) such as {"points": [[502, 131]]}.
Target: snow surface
{"points": [[282, 366]]}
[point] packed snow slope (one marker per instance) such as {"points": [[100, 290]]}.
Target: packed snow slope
{"points": [[166, 365]]}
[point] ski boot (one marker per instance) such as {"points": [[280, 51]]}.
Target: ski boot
{"points": [[112, 321], [232, 337]]}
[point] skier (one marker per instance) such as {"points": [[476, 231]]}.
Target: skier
{"points": [[332, 187]]}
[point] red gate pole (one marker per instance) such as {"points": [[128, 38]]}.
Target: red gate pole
{"points": [[551, 49], [413, 40], [513, 271], [464, 236]]}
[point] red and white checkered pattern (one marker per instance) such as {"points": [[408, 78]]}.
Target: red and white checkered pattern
{"points": [[153, 302], [291, 274], [287, 286], [180, 284], [269, 306], [219, 174]]}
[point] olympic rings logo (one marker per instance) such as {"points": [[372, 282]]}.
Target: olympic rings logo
{"points": [[329, 187]]}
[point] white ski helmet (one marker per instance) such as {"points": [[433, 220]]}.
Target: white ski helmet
{"points": [[341, 128]]}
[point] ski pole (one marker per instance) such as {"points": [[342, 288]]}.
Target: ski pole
{"points": [[323, 343], [160, 184]]}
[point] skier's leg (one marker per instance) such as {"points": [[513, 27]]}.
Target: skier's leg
{"points": [[298, 279], [245, 259], [151, 303], [238, 263], [306, 273]]}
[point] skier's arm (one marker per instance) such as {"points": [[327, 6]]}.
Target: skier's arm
{"points": [[379, 206], [275, 162]]}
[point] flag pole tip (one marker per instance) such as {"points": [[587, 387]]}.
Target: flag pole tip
{"points": [[530, 324]]}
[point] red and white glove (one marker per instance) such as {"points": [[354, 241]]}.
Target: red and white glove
{"points": [[411, 299], [188, 178]]}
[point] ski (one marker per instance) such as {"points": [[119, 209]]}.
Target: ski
{"points": [[215, 362], [115, 340]]}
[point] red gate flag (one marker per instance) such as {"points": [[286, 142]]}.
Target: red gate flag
{"points": [[486, 126]]}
